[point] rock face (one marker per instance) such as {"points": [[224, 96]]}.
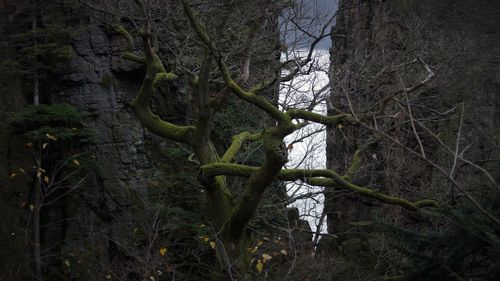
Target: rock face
{"points": [[374, 44], [101, 224], [98, 81]]}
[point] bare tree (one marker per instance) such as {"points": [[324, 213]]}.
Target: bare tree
{"points": [[229, 216]]}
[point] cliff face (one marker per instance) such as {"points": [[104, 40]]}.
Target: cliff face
{"points": [[375, 44], [104, 222], [97, 81]]}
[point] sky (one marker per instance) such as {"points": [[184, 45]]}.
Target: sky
{"points": [[319, 11]]}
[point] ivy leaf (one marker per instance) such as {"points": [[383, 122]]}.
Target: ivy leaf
{"points": [[163, 251], [259, 266]]}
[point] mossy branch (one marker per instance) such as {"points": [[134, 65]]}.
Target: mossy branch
{"points": [[238, 141], [133, 57], [248, 96], [318, 118], [155, 72], [123, 32], [321, 177]]}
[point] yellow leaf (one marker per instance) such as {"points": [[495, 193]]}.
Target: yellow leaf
{"points": [[212, 244], [284, 252], [46, 179], [32, 207], [260, 243], [108, 276], [340, 126], [39, 173], [259, 266], [74, 129], [253, 250], [13, 175], [204, 238], [163, 251], [51, 137], [76, 162], [22, 170], [44, 145], [67, 263], [266, 257]]}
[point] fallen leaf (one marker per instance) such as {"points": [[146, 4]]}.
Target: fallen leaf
{"points": [[259, 266], [51, 137], [163, 251], [266, 257]]}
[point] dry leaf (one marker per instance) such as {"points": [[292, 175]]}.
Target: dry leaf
{"points": [[51, 137], [163, 251], [259, 266], [266, 257]]}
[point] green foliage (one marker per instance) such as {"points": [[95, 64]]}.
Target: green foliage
{"points": [[60, 121], [464, 244]]}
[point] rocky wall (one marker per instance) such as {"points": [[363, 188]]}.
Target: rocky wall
{"points": [[460, 42]]}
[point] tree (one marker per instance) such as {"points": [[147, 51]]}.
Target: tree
{"points": [[231, 216]]}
